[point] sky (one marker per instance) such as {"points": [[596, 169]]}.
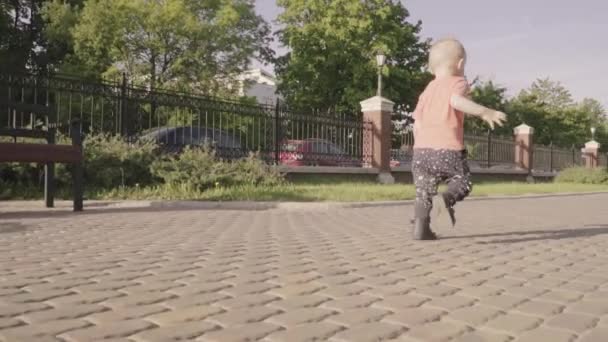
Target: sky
{"points": [[514, 42]]}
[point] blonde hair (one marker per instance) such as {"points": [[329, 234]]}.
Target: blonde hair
{"points": [[446, 51]]}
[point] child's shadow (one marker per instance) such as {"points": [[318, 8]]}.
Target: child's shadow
{"points": [[536, 235]]}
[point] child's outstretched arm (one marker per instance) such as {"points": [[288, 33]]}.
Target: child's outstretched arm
{"points": [[467, 106]]}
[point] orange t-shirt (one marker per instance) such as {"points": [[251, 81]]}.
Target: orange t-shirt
{"points": [[437, 125]]}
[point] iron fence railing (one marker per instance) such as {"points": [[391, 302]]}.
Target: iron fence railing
{"points": [[552, 159], [603, 160], [175, 120]]}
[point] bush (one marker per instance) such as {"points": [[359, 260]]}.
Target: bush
{"points": [[583, 175], [111, 161], [200, 169]]}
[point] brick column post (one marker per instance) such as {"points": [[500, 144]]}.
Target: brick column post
{"points": [[591, 154], [524, 147], [378, 111]]}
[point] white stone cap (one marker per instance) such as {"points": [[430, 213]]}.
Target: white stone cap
{"points": [[523, 129], [376, 104], [592, 145]]}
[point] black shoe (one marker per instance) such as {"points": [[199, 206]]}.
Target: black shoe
{"points": [[449, 205], [422, 229]]}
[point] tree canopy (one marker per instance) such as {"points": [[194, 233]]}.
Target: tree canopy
{"points": [[331, 63]]}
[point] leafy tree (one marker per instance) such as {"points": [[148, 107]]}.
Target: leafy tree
{"points": [[183, 44], [331, 64], [492, 96], [551, 93]]}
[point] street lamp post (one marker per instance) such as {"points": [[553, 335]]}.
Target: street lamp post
{"points": [[380, 59]]}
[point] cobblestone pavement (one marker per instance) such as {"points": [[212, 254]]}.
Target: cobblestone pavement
{"points": [[522, 270]]}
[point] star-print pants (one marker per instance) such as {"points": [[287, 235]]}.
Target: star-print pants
{"points": [[429, 167]]}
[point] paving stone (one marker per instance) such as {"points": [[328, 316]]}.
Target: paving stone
{"points": [[595, 335], [245, 315], [480, 291], [11, 310], [126, 313], [44, 330], [503, 301], [561, 296], [474, 315], [539, 308], [309, 332], [195, 313], [298, 302], [525, 291], [193, 300], [109, 331], [139, 299], [301, 316], [400, 302], [68, 312], [436, 290], [572, 321], [352, 317], [546, 334], [414, 316], [451, 302], [595, 307], [239, 333], [93, 297], [298, 289], [437, 331], [376, 331], [38, 297], [344, 290], [247, 301], [351, 302], [514, 323], [483, 336], [177, 332]]}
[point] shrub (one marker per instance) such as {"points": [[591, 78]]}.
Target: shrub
{"points": [[200, 169], [111, 161], [583, 175]]}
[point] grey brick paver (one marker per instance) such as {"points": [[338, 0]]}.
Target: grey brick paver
{"points": [[511, 270], [376, 331], [546, 334], [437, 331], [573, 322]]}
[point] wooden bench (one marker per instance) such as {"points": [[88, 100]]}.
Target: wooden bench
{"points": [[47, 154]]}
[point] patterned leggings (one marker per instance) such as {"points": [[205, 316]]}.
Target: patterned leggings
{"points": [[429, 167]]}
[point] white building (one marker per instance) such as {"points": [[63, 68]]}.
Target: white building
{"points": [[259, 84]]}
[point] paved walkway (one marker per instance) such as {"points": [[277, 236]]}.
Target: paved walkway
{"points": [[523, 270]]}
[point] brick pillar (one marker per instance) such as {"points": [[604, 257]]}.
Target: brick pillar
{"points": [[591, 154], [524, 146], [378, 111]]}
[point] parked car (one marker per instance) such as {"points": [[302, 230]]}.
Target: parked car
{"points": [[174, 139], [315, 152]]}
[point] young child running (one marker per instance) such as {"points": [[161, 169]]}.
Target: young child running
{"points": [[439, 152]]}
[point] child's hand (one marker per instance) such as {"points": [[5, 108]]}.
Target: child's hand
{"points": [[494, 117]]}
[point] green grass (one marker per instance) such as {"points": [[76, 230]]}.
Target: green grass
{"points": [[308, 192], [345, 192]]}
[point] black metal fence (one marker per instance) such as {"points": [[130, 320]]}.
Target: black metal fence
{"points": [[486, 151], [550, 158], [490, 151], [175, 120]]}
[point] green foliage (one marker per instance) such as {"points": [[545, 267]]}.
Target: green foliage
{"points": [[547, 106], [492, 96], [179, 44], [112, 162], [201, 170], [331, 65], [582, 175]]}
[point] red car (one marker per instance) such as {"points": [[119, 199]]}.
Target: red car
{"points": [[315, 152]]}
